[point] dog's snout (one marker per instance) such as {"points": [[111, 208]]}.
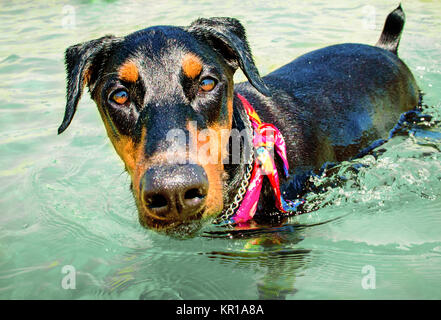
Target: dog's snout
{"points": [[174, 191]]}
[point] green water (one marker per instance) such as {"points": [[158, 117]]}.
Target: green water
{"points": [[65, 200]]}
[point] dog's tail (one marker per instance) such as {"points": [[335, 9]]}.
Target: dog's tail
{"points": [[390, 37]]}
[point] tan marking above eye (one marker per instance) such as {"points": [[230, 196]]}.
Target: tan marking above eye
{"points": [[128, 72], [191, 65], [207, 84]]}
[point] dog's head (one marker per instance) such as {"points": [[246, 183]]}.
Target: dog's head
{"points": [[165, 95]]}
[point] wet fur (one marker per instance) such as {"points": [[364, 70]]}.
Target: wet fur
{"points": [[329, 104]]}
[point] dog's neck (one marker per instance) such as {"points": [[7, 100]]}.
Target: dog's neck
{"points": [[236, 171]]}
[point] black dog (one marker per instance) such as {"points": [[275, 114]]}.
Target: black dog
{"points": [[329, 104]]}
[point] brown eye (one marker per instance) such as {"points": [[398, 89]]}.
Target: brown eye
{"points": [[120, 97], [207, 84]]}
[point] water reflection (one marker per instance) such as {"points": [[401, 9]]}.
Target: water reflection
{"points": [[272, 252]]}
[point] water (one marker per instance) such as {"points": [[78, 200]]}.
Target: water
{"points": [[65, 199]]}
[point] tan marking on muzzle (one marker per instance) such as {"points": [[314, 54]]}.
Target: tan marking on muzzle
{"points": [[130, 152], [211, 147]]}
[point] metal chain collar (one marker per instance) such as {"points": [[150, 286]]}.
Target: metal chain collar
{"points": [[239, 195], [229, 212]]}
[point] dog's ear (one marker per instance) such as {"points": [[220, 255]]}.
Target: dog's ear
{"points": [[227, 36], [82, 62]]}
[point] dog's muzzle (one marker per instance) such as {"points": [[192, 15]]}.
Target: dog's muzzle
{"points": [[174, 191]]}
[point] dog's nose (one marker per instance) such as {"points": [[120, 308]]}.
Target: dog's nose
{"points": [[174, 191]]}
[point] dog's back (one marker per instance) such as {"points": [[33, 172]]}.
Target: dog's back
{"points": [[333, 102]]}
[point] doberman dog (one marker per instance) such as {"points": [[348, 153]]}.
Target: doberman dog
{"points": [[329, 105]]}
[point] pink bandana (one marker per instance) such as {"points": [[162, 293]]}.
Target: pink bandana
{"points": [[266, 138]]}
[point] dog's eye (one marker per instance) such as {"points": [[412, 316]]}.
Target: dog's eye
{"points": [[207, 84], [120, 96]]}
